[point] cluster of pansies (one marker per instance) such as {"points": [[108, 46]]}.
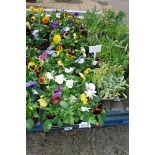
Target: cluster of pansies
{"points": [[59, 74]]}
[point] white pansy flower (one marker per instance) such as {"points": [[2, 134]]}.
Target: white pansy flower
{"points": [[66, 29], [90, 86], [94, 62], [85, 109], [35, 92], [59, 79], [73, 99], [84, 51], [69, 83], [90, 90], [90, 94], [35, 33], [58, 14], [49, 76], [69, 70]]}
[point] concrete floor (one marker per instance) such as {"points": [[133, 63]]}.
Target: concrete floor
{"points": [[97, 141]]}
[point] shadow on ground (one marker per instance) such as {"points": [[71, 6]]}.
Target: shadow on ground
{"points": [[97, 141]]}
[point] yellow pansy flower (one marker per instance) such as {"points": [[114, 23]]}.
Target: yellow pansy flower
{"points": [[75, 36], [82, 76], [65, 14], [78, 21], [40, 9], [84, 98], [42, 102], [69, 55], [57, 38], [60, 63], [31, 65], [87, 70], [33, 19], [59, 50], [58, 53], [45, 19], [31, 8]]}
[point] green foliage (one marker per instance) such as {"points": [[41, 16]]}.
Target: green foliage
{"points": [[29, 123], [112, 86], [110, 81], [109, 30], [47, 125]]}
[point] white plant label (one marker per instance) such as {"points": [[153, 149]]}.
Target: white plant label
{"points": [[84, 125], [93, 49], [68, 128]]}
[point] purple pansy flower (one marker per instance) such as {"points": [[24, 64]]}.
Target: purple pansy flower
{"points": [[71, 21], [76, 13], [31, 84], [50, 52], [58, 91], [55, 24], [43, 56]]}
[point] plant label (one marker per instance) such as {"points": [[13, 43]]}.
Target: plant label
{"points": [[68, 128], [95, 49], [84, 125]]}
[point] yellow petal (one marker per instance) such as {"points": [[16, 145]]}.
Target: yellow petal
{"points": [[82, 76], [42, 102], [87, 70], [57, 38], [60, 63], [75, 36], [31, 64], [31, 8], [84, 98], [40, 9]]}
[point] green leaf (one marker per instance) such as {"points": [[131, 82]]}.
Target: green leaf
{"points": [[64, 104], [92, 120], [47, 125], [60, 123], [100, 119], [29, 123], [96, 99]]}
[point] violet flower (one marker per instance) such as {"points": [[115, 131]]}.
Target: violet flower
{"points": [[50, 52], [58, 91], [55, 24], [43, 56], [76, 13], [31, 84], [71, 21]]}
